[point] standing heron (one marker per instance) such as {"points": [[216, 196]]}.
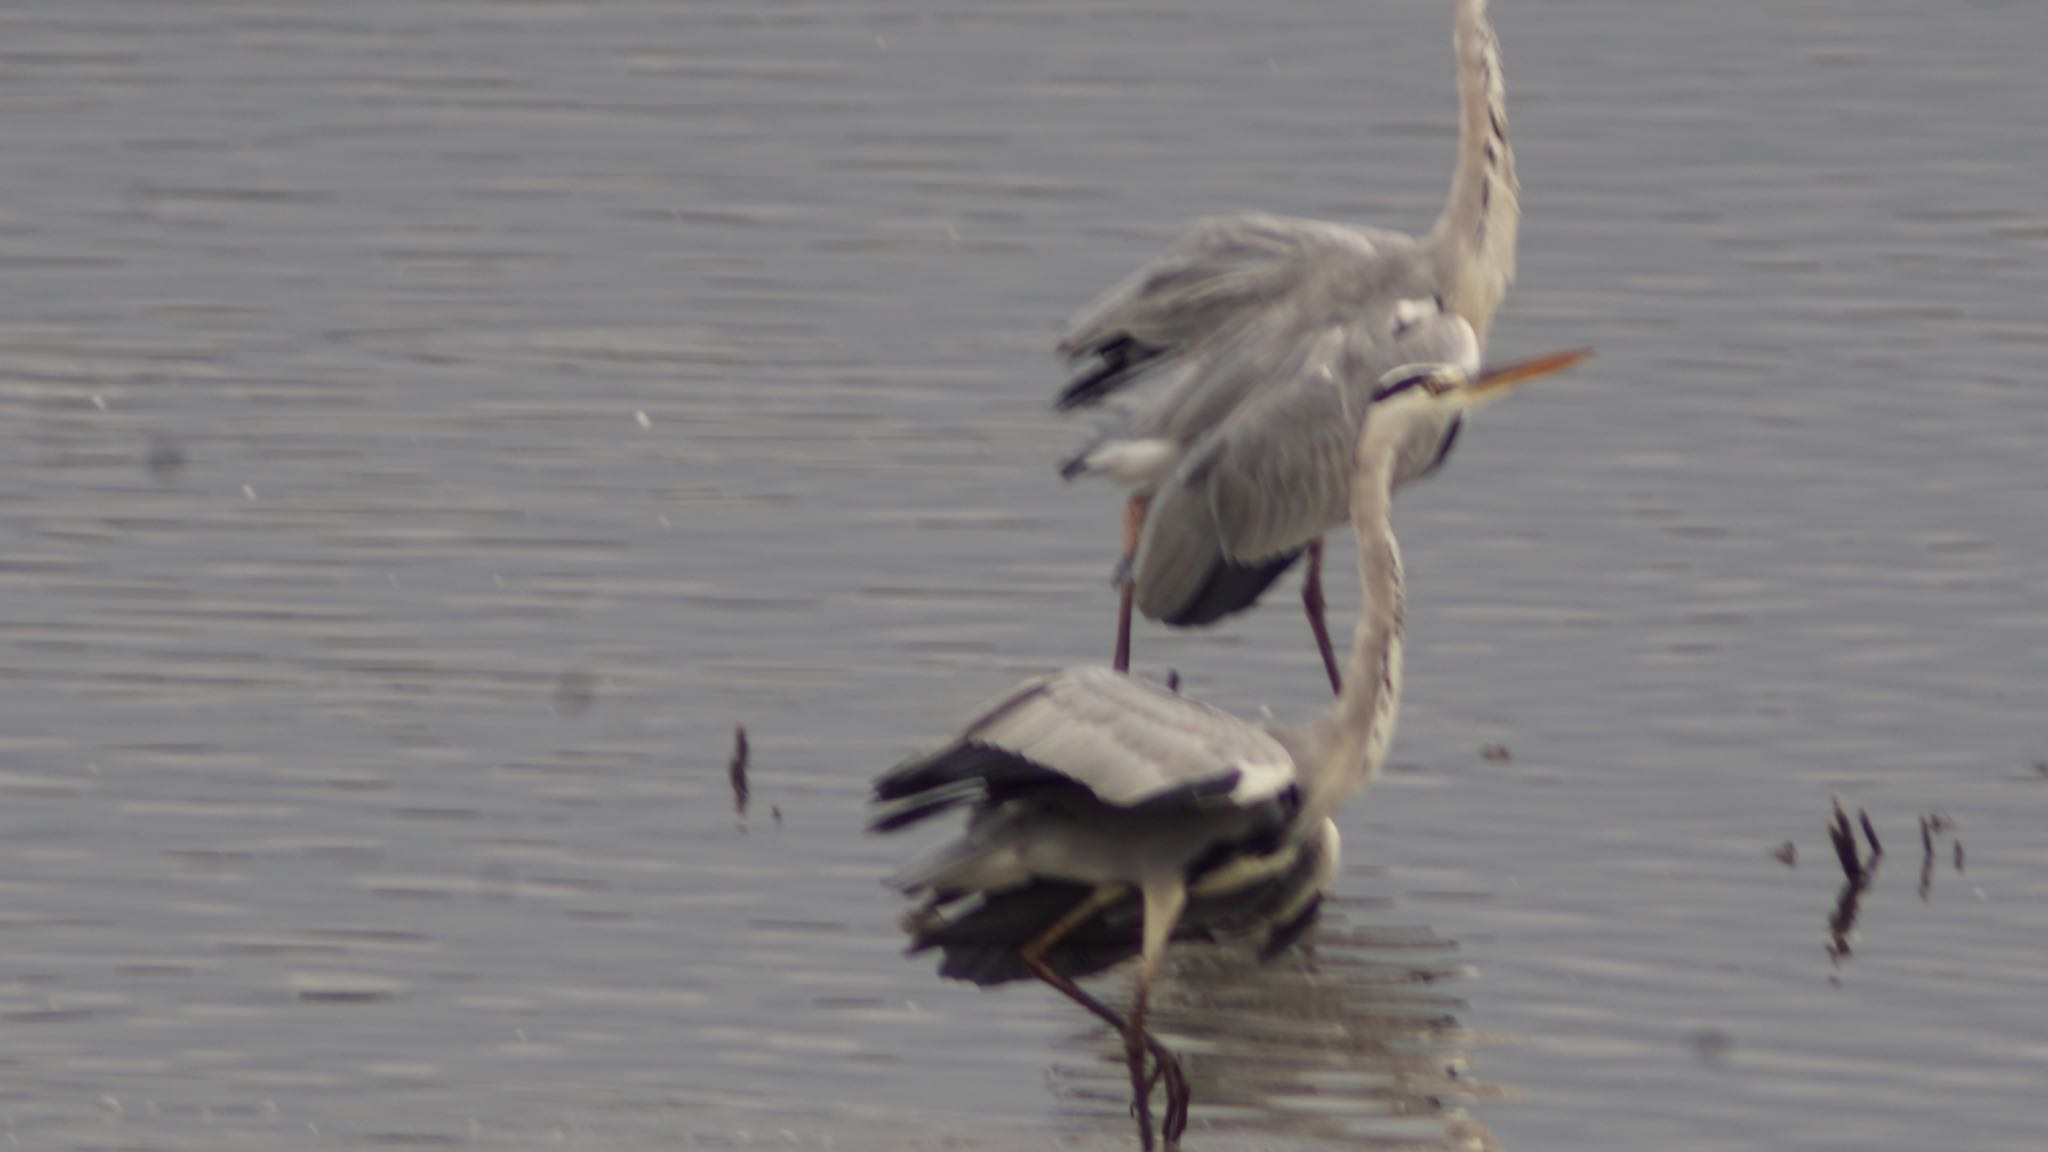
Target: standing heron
{"points": [[1241, 316], [1110, 815]]}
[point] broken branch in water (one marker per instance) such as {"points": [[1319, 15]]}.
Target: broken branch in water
{"points": [[1870, 834], [1843, 836], [737, 770], [1926, 860], [1933, 826]]}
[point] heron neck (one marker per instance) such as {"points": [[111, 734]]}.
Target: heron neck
{"points": [[1360, 725], [1473, 242]]}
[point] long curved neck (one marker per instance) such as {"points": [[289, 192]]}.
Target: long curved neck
{"points": [[1473, 242], [1352, 737]]}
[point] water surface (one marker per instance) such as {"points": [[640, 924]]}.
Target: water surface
{"points": [[430, 426]]}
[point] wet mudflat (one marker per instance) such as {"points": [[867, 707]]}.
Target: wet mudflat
{"points": [[430, 427]]}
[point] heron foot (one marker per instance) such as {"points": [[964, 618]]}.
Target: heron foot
{"points": [[1166, 1068], [1174, 1120]]}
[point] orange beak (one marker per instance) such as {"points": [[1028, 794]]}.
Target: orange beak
{"points": [[1496, 382]]}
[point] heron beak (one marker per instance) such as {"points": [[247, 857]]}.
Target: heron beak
{"points": [[1493, 383]]}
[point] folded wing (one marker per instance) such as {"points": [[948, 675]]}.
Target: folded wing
{"points": [[1249, 496], [1118, 740]]}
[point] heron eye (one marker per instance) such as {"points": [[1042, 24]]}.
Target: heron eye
{"points": [[1437, 385]]}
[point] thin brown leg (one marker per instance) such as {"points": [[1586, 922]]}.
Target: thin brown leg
{"points": [[1169, 1069], [1104, 896], [1134, 519], [1312, 603], [1166, 1066], [1162, 910], [1134, 1056]]}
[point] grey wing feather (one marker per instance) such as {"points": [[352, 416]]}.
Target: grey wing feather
{"points": [[1275, 476], [1187, 533], [1219, 265], [1179, 546], [1127, 742], [1283, 464], [1283, 470], [1225, 273]]}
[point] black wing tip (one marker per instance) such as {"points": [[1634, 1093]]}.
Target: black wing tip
{"points": [[1090, 389], [1119, 359], [1073, 466], [903, 814], [940, 768], [962, 773], [1228, 590], [905, 780]]}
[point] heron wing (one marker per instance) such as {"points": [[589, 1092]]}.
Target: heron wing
{"points": [[1126, 742], [1224, 273], [1275, 476], [1281, 475]]}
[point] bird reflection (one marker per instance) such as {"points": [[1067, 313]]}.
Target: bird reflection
{"points": [[1352, 1040]]}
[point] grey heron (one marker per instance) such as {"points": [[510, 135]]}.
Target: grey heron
{"points": [[1238, 322], [1109, 815]]}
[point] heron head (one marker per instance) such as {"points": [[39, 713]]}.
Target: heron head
{"points": [[1418, 409]]}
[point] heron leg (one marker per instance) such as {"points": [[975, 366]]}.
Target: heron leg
{"points": [[1165, 1065], [1169, 1069], [1163, 905], [1312, 603], [1134, 519]]}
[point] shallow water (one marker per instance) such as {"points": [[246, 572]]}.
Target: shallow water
{"points": [[429, 427]]}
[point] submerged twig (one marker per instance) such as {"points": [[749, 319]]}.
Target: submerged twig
{"points": [[737, 770], [1926, 860], [1843, 837], [1870, 834], [1933, 826], [1842, 923]]}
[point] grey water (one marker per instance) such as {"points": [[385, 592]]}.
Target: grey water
{"points": [[429, 426]]}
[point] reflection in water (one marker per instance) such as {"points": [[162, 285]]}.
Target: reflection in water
{"points": [[1933, 826], [1350, 1039]]}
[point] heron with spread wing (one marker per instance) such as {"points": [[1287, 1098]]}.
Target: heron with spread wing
{"points": [[1246, 328], [1109, 816]]}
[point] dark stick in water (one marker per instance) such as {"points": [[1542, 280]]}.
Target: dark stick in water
{"points": [[1843, 922], [737, 770], [1843, 837], [1870, 834], [1926, 860]]}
